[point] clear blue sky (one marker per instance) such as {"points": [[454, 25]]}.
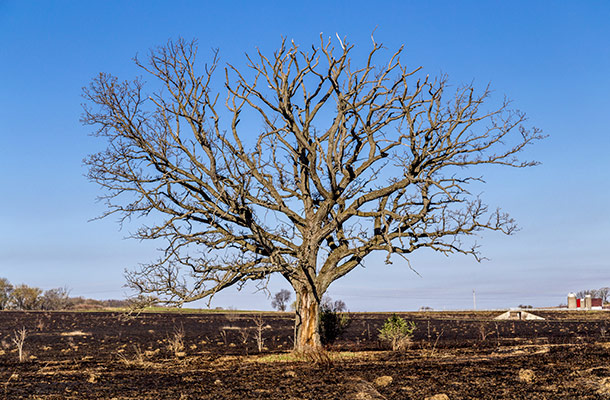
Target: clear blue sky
{"points": [[551, 58]]}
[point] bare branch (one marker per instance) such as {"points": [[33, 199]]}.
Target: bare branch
{"points": [[347, 160]]}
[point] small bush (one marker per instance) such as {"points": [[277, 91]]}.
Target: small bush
{"points": [[333, 320], [397, 332]]}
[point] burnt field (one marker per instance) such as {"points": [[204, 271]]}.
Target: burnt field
{"points": [[464, 355]]}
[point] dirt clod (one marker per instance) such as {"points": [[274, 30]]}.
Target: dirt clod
{"points": [[526, 375], [383, 381], [440, 396], [92, 378], [365, 391]]}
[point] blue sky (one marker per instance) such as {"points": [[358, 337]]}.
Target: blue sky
{"points": [[551, 58]]}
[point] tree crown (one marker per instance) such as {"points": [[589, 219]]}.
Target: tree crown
{"points": [[345, 161]]}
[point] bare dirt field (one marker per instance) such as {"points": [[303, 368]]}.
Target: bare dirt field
{"points": [[462, 355]]}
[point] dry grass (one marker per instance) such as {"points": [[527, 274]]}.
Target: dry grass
{"points": [[138, 359], [319, 357], [75, 333], [309, 357], [175, 342]]}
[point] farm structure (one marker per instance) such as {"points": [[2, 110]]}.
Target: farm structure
{"points": [[588, 303], [519, 315]]}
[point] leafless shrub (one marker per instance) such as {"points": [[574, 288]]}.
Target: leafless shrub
{"points": [[483, 332], [244, 336], [367, 331], [436, 342], [223, 335], [259, 323], [19, 341], [40, 325]]}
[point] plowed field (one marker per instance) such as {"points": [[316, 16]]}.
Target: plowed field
{"points": [[464, 355]]}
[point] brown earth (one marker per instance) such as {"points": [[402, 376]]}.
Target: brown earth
{"points": [[462, 355]]}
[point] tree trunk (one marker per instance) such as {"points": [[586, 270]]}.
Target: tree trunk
{"points": [[306, 333]]}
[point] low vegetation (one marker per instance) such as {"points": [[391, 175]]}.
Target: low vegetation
{"points": [[397, 332], [334, 320]]}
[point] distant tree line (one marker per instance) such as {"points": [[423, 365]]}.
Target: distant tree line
{"points": [[602, 293], [24, 297]]}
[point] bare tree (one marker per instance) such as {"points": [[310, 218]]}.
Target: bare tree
{"points": [[280, 300], [603, 293], [313, 162], [55, 299], [337, 306]]}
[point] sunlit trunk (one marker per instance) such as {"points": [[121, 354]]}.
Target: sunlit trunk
{"points": [[306, 333]]}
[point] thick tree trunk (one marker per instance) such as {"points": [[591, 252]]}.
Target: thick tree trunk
{"points": [[306, 333]]}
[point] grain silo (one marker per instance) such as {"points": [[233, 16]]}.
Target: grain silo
{"points": [[572, 300]]}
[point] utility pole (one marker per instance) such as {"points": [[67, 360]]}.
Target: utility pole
{"points": [[474, 299]]}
